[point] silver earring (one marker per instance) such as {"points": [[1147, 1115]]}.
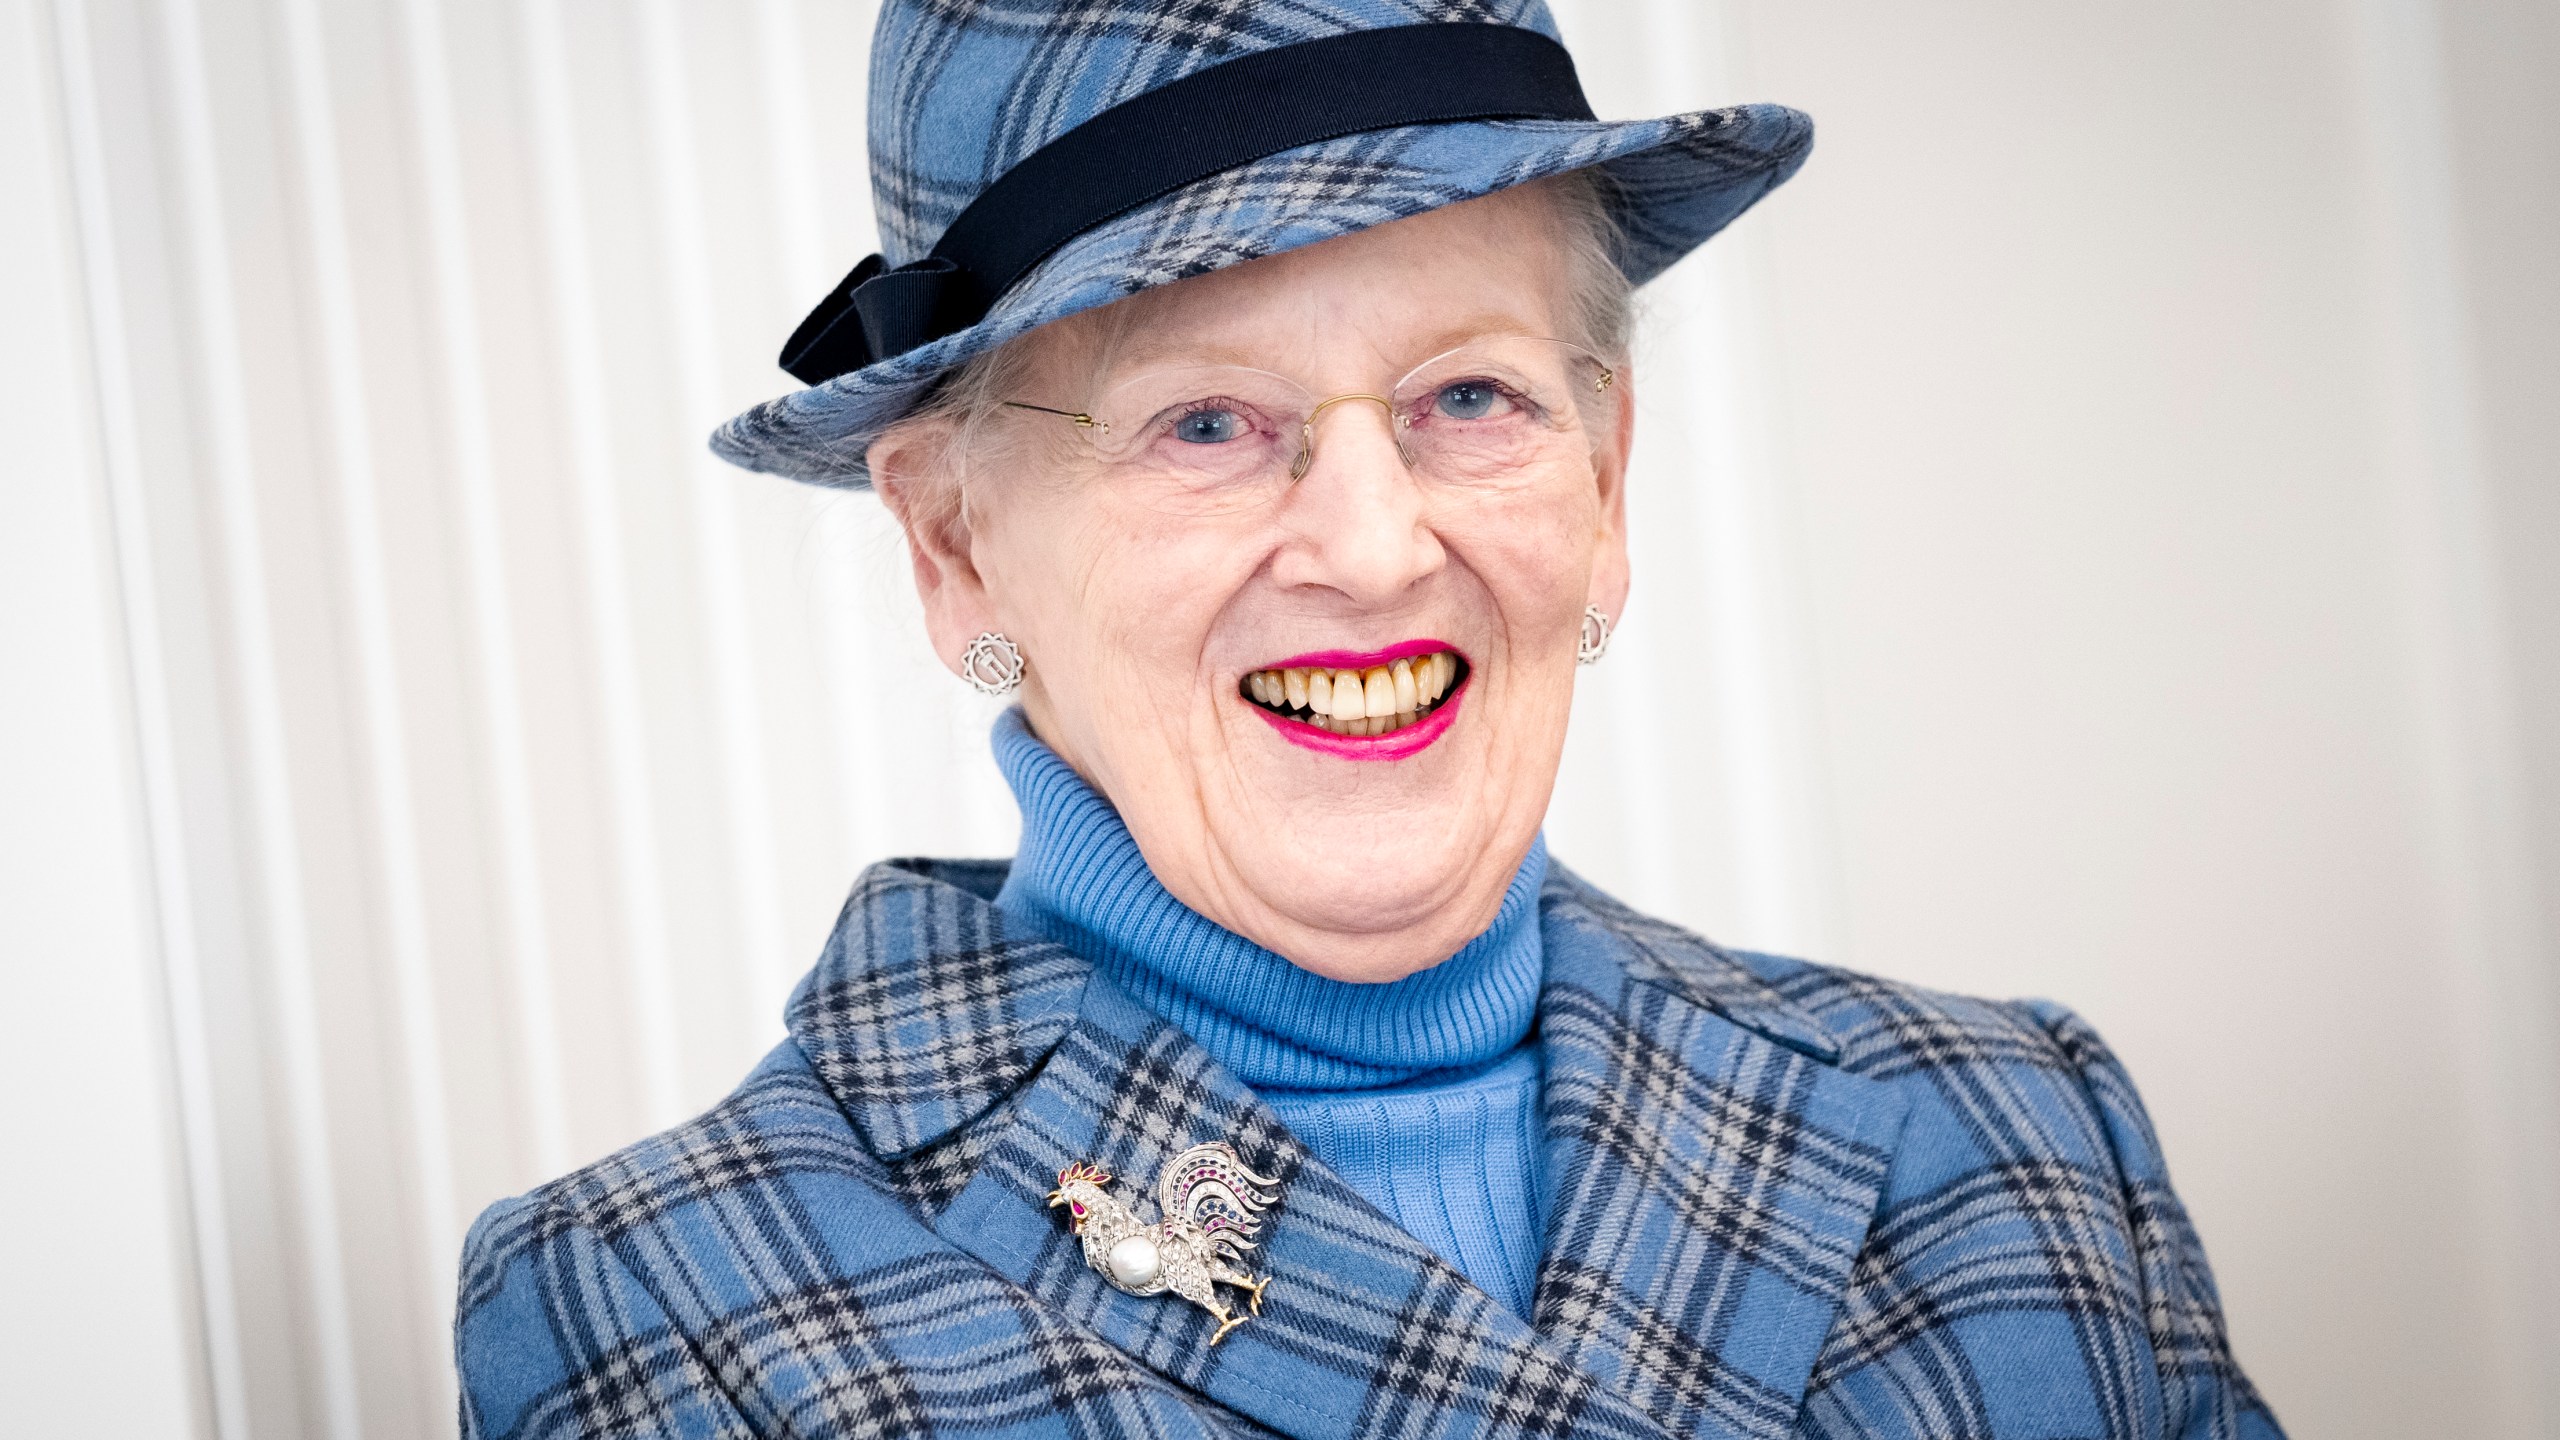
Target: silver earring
{"points": [[992, 664], [1595, 637]]}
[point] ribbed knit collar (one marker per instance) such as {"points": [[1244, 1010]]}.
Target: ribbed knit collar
{"points": [[1080, 881]]}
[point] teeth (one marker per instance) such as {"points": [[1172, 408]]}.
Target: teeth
{"points": [[1374, 701], [1348, 701], [1380, 694]]}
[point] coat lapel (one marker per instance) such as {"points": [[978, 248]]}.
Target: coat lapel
{"points": [[1713, 1176], [980, 1065], [1362, 1332]]}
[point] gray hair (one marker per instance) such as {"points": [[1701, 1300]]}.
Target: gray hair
{"points": [[1599, 300], [1598, 312]]}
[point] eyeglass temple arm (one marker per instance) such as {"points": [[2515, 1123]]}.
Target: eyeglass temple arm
{"points": [[1078, 416]]}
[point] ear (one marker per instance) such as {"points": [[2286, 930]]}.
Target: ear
{"points": [[1609, 568], [910, 468]]}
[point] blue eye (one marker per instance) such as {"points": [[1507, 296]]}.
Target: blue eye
{"points": [[1209, 427], [1467, 400]]}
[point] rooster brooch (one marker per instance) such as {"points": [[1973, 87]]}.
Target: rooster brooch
{"points": [[1212, 1206]]}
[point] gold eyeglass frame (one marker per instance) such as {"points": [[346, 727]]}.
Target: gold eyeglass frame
{"points": [[1307, 427]]}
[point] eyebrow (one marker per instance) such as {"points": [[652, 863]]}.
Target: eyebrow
{"points": [[1137, 356]]}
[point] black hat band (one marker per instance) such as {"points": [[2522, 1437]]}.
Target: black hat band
{"points": [[1145, 148]]}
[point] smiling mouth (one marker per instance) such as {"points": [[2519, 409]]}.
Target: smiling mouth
{"points": [[1373, 700]]}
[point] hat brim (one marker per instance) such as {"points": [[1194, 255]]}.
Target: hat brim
{"points": [[1675, 182]]}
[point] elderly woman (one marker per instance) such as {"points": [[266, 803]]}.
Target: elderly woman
{"points": [[1253, 393]]}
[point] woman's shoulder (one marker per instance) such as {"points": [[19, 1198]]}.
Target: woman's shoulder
{"points": [[2020, 1177], [1886, 1028], [780, 1121], [1865, 1024], [582, 1292], [1966, 1059], [798, 1112], [1961, 1061], [1966, 1056], [2023, 1138]]}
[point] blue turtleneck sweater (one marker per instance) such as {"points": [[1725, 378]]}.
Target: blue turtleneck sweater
{"points": [[1421, 1094]]}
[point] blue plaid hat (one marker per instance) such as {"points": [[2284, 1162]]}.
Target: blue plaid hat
{"points": [[1031, 160]]}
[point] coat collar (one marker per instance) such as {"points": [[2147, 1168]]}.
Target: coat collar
{"points": [[923, 1012], [1713, 1174], [1663, 954]]}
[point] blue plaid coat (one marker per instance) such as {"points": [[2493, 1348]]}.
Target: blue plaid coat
{"points": [[1789, 1201]]}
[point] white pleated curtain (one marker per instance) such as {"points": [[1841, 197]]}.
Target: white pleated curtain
{"points": [[506, 756]]}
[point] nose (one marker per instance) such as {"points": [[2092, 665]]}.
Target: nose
{"points": [[1357, 510]]}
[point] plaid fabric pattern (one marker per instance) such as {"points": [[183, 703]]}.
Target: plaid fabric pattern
{"points": [[1789, 1201], [961, 90]]}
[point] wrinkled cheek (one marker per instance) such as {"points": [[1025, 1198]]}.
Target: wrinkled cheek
{"points": [[1536, 552], [1140, 601], [1162, 590]]}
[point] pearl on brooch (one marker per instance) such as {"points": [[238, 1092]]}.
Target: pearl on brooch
{"points": [[1135, 1261]]}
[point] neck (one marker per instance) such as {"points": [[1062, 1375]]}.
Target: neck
{"points": [[1080, 880]]}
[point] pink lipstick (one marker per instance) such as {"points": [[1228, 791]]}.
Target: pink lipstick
{"points": [[1400, 699], [1363, 659], [1394, 745]]}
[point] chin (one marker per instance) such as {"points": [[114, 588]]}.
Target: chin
{"points": [[1363, 899]]}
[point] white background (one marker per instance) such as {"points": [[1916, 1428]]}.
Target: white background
{"points": [[2095, 534]]}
